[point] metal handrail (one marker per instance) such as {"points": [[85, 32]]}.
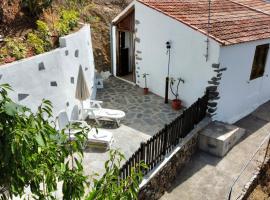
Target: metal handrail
{"points": [[248, 162]]}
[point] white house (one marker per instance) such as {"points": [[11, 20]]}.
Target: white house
{"points": [[232, 33]]}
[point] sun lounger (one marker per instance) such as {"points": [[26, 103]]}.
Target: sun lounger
{"points": [[94, 110], [97, 137]]}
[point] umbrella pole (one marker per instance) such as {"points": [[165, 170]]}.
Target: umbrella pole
{"points": [[81, 110]]}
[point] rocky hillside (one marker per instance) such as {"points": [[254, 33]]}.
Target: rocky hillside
{"points": [[14, 22], [105, 10]]}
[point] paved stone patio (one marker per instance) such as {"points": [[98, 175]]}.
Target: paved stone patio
{"points": [[145, 113], [145, 116]]}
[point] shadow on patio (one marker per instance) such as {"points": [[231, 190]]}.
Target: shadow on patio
{"points": [[145, 116]]}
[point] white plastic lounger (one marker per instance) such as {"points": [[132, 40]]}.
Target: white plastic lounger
{"points": [[93, 110], [96, 137]]}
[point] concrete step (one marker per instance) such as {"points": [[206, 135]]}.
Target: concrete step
{"points": [[218, 138]]}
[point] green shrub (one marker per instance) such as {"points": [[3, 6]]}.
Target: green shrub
{"points": [[44, 33], [43, 29], [62, 28], [68, 21], [15, 48], [33, 153], [109, 186], [36, 43], [71, 17], [40, 40], [36, 7]]}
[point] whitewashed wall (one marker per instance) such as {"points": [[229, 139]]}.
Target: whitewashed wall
{"points": [[154, 29], [32, 82], [239, 95]]}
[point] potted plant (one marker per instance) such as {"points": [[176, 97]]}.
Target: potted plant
{"points": [[176, 103], [145, 89]]}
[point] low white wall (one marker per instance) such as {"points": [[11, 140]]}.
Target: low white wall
{"points": [[239, 95], [188, 51], [32, 81]]}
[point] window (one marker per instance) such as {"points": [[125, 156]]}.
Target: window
{"points": [[259, 61]]}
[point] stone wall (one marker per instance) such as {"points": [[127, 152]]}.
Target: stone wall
{"points": [[255, 180], [163, 179]]}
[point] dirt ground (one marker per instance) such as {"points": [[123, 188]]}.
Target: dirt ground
{"points": [[16, 23], [105, 10], [262, 190]]}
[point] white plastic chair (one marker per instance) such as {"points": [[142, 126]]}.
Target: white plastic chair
{"points": [[94, 110]]}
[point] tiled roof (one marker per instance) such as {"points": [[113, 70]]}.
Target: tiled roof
{"points": [[232, 21], [261, 5]]}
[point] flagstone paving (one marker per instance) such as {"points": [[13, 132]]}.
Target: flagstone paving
{"points": [[145, 116], [145, 113]]}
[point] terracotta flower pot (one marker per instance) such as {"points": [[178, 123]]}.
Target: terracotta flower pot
{"points": [[145, 91], [176, 104]]}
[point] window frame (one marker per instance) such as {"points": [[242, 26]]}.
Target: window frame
{"points": [[255, 65]]}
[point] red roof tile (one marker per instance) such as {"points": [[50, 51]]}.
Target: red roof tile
{"points": [[232, 21], [261, 5]]}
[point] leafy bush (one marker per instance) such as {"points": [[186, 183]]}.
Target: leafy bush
{"points": [[44, 33], [71, 17], [36, 43], [109, 186], [15, 48], [33, 153], [40, 40], [43, 29], [36, 7], [68, 21], [62, 28]]}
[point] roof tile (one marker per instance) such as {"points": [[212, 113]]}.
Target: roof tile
{"points": [[232, 21]]}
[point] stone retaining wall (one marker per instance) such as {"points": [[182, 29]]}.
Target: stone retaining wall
{"points": [[156, 186], [252, 184], [52, 75]]}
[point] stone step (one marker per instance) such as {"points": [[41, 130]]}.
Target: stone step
{"points": [[218, 138]]}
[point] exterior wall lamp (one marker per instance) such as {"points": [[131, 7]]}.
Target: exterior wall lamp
{"points": [[168, 47]]}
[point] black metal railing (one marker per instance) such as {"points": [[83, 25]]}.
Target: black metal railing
{"points": [[154, 150]]}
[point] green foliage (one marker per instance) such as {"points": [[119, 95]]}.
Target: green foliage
{"points": [[40, 40], [36, 7], [110, 186], [33, 153], [62, 28], [67, 22], [71, 17], [36, 43], [91, 19], [43, 29], [44, 33], [15, 48]]}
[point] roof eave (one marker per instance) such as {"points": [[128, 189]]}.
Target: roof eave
{"points": [[125, 12]]}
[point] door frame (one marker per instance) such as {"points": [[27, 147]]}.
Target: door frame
{"points": [[131, 53]]}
